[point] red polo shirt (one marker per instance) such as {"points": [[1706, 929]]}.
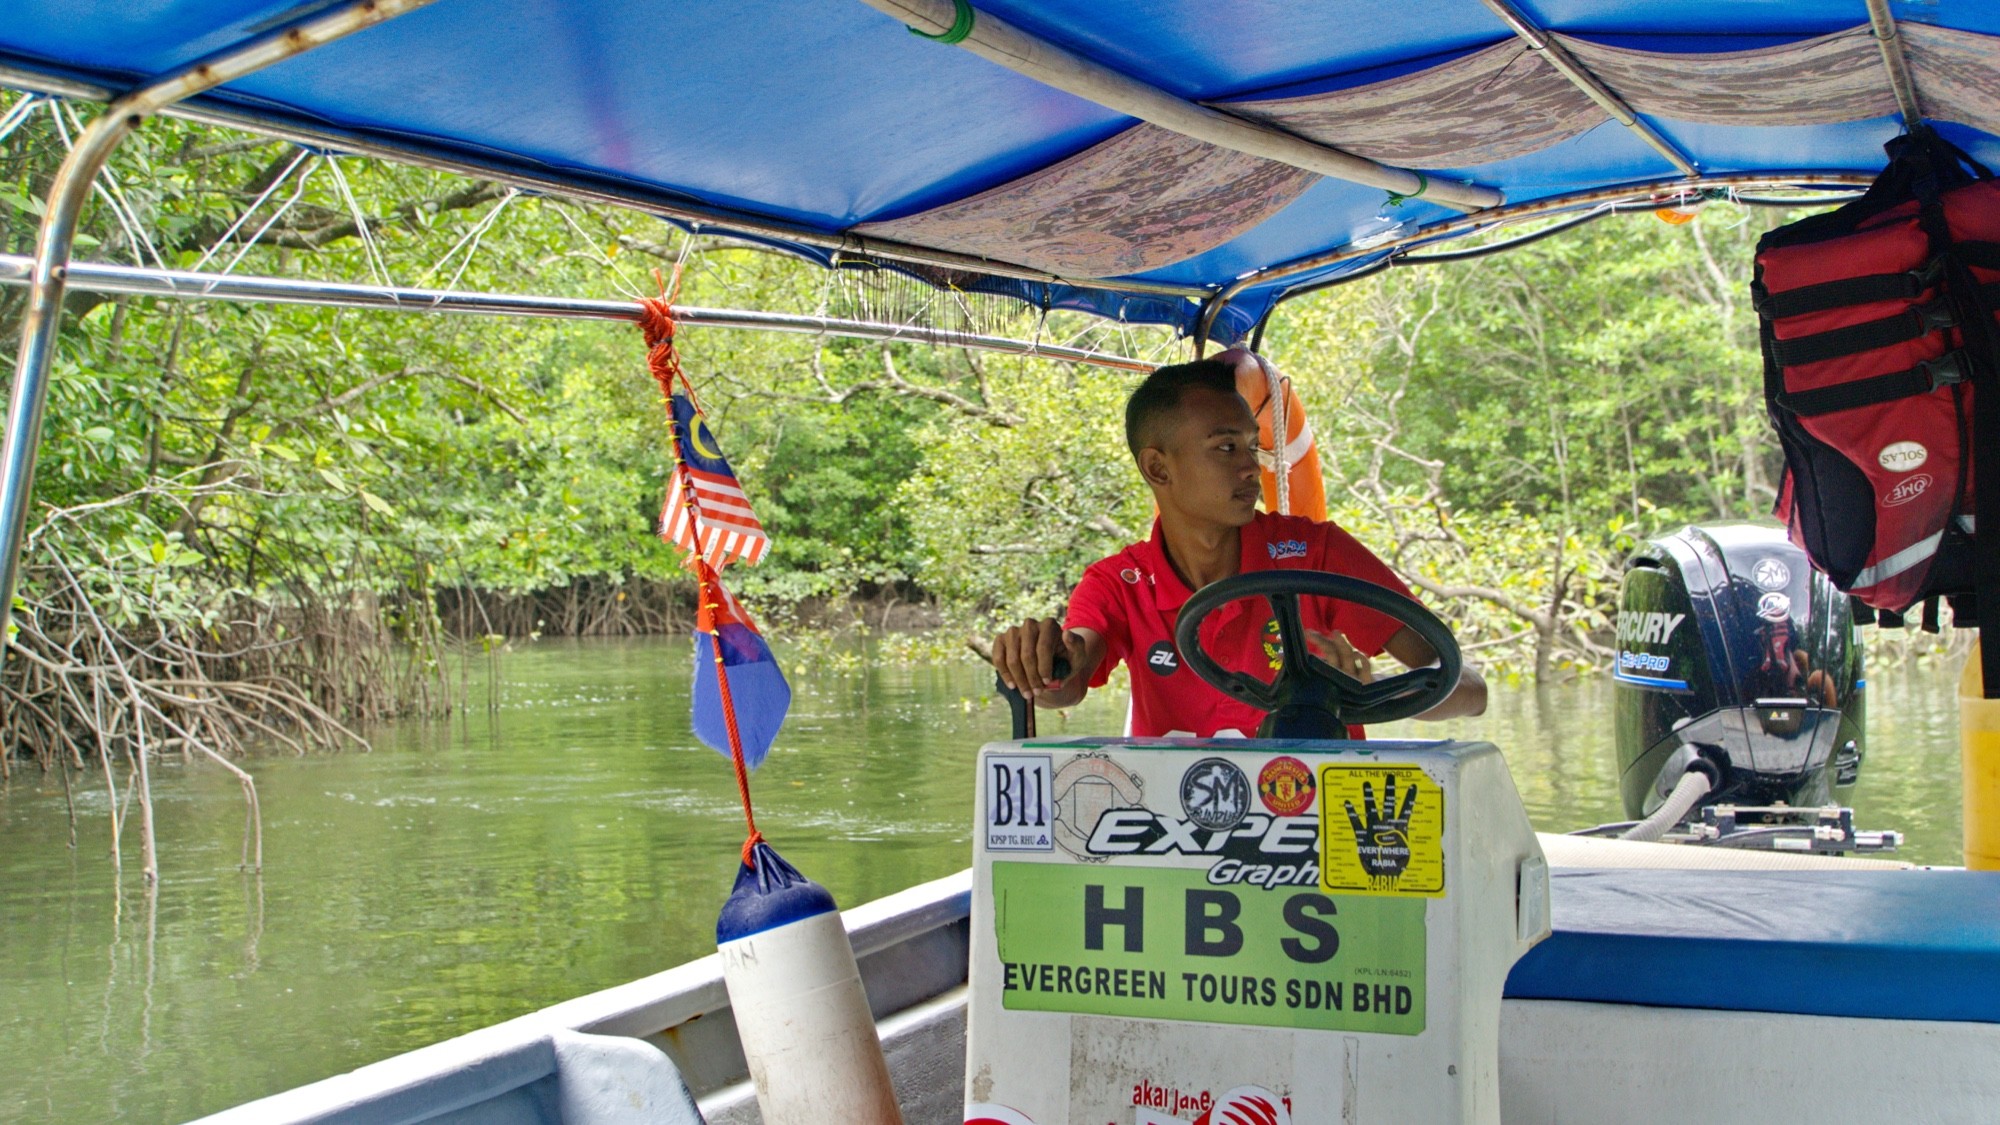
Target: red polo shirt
{"points": [[1133, 599]]}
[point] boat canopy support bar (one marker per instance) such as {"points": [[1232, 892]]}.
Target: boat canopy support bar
{"points": [[1883, 24], [1579, 76], [49, 269], [998, 41], [17, 269], [699, 218], [1627, 194]]}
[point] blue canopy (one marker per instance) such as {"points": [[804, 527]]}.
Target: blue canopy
{"points": [[802, 121]]}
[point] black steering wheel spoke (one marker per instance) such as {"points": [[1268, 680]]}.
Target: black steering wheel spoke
{"points": [[1415, 682], [1348, 685], [1248, 689], [1311, 698], [1291, 627]]}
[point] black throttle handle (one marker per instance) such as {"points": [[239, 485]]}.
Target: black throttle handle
{"points": [[1024, 712]]}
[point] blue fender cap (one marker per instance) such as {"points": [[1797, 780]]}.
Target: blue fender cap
{"points": [[769, 893]]}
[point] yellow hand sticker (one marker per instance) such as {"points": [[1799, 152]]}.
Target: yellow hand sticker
{"points": [[1381, 831]]}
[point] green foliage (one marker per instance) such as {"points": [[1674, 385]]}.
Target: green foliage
{"points": [[1007, 517], [1510, 427], [1507, 425]]}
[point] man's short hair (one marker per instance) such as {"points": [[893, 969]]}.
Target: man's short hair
{"points": [[1154, 401]]}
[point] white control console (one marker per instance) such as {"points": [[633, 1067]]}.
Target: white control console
{"points": [[1180, 932]]}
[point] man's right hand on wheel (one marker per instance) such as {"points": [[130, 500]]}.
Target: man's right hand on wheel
{"points": [[1025, 656]]}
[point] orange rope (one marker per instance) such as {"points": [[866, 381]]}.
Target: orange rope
{"points": [[656, 320], [713, 602]]}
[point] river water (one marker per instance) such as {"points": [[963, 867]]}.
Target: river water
{"points": [[573, 837]]}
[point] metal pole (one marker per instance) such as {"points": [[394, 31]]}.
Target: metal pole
{"points": [[67, 195], [1023, 52], [1579, 76], [17, 269], [1516, 213], [1883, 24], [660, 203]]}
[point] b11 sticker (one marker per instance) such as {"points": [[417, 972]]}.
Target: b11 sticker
{"points": [[1381, 831], [1162, 943], [1020, 809]]}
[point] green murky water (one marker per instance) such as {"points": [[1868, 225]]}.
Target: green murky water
{"points": [[572, 839]]}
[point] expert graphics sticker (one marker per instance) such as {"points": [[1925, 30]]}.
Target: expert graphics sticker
{"points": [[1381, 831]]}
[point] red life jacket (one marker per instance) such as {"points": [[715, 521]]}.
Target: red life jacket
{"points": [[1881, 353]]}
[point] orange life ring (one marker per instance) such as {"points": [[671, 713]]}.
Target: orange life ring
{"points": [[1271, 398]]}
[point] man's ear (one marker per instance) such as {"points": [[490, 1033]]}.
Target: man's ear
{"points": [[1153, 467]]}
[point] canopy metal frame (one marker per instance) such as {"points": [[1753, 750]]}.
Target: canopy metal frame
{"points": [[1883, 24], [998, 41], [49, 269], [1580, 76], [96, 277], [677, 208], [1661, 192]]}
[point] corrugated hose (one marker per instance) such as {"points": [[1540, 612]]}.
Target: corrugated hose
{"points": [[1690, 789]]}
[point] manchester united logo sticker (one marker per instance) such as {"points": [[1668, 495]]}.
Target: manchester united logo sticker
{"points": [[1285, 785]]}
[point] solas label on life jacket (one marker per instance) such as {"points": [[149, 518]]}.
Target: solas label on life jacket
{"points": [[1903, 456]]}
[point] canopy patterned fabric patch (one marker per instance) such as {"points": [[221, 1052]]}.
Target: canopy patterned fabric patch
{"points": [[1143, 199], [1491, 105]]}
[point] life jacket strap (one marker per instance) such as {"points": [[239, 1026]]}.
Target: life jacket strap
{"points": [[1947, 370], [1903, 286], [1910, 324]]}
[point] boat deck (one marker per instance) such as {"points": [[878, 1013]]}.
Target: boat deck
{"points": [[1849, 983]]}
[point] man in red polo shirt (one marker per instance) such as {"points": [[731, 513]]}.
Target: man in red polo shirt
{"points": [[1195, 441]]}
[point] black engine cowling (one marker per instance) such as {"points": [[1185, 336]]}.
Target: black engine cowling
{"points": [[1733, 649]]}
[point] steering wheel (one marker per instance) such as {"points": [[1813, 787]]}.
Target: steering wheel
{"points": [[1311, 698]]}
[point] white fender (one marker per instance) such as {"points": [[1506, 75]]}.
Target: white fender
{"points": [[801, 1013]]}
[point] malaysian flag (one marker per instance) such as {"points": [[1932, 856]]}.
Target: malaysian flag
{"points": [[706, 511], [740, 696]]}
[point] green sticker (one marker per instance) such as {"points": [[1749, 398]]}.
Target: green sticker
{"points": [[1162, 943]]}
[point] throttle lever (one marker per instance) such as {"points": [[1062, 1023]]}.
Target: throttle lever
{"points": [[1024, 712]]}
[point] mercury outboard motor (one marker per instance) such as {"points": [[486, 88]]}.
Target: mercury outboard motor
{"points": [[1738, 663]]}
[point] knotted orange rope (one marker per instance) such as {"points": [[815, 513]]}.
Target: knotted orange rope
{"points": [[656, 320], [712, 598]]}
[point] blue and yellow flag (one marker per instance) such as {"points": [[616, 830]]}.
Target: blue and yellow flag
{"points": [[736, 679]]}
